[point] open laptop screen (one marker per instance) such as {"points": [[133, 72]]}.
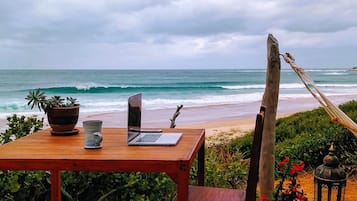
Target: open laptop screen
{"points": [[134, 116]]}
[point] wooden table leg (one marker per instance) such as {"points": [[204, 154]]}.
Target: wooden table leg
{"points": [[182, 183], [55, 185], [201, 166]]}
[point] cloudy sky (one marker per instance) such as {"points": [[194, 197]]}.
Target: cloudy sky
{"points": [[128, 34]]}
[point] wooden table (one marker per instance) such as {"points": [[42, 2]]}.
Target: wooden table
{"points": [[42, 151]]}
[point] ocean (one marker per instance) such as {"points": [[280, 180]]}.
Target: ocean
{"points": [[108, 90]]}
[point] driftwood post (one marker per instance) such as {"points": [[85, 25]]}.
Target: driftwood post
{"points": [[174, 116], [270, 100]]}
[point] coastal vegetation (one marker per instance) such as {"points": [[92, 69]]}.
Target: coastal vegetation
{"points": [[303, 136], [308, 135]]}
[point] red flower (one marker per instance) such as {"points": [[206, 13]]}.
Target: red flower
{"points": [[301, 197], [289, 172], [297, 168], [294, 189], [264, 198], [287, 192], [284, 161]]}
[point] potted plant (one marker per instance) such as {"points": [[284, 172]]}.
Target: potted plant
{"points": [[61, 115]]}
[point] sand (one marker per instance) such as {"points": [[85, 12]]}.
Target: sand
{"points": [[213, 118]]}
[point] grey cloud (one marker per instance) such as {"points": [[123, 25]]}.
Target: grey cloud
{"points": [[28, 23], [189, 19], [204, 25], [320, 16], [138, 32], [121, 21]]}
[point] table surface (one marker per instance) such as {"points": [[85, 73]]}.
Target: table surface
{"points": [[43, 147], [43, 151]]}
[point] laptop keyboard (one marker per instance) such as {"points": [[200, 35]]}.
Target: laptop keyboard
{"points": [[149, 138]]}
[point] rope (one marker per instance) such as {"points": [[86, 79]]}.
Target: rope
{"points": [[336, 114]]}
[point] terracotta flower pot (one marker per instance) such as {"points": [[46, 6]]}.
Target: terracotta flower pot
{"points": [[63, 119]]}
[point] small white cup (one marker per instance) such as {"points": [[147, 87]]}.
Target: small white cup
{"points": [[93, 134]]}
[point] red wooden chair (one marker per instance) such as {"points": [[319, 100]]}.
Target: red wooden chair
{"points": [[204, 193]]}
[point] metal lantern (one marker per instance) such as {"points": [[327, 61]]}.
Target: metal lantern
{"points": [[330, 179]]}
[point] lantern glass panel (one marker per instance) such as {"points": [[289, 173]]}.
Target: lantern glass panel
{"points": [[324, 192], [334, 192]]}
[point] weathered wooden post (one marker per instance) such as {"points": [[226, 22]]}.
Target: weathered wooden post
{"points": [[270, 100]]}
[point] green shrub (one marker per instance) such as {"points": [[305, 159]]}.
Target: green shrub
{"points": [[19, 127], [242, 144], [116, 186], [225, 165], [308, 135], [289, 127]]}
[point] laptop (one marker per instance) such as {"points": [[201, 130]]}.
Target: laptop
{"points": [[138, 136]]}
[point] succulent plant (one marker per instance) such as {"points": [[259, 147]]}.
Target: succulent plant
{"points": [[37, 98]]}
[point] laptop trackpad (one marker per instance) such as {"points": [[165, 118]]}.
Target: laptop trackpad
{"points": [[157, 139], [149, 138]]}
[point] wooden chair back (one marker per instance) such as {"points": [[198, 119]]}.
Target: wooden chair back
{"points": [[204, 193], [253, 174]]}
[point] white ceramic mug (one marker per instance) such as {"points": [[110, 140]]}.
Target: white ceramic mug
{"points": [[93, 134]]}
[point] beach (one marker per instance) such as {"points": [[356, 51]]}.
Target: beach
{"points": [[216, 118], [212, 118]]}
